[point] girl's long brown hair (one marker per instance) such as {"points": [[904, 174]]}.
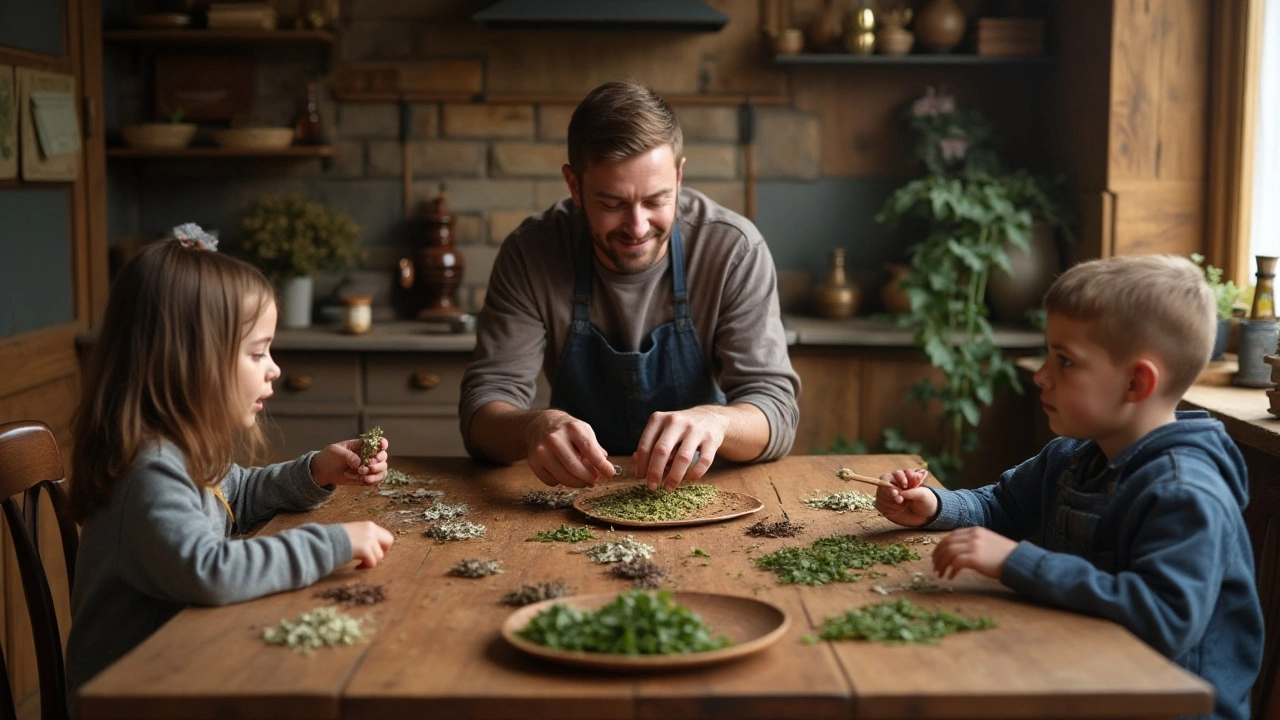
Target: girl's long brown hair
{"points": [[164, 367]]}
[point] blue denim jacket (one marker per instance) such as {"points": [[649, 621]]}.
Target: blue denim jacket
{"points": [[1153, 539]]}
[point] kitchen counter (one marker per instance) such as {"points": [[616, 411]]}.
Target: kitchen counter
{"points": [[866, 332]]}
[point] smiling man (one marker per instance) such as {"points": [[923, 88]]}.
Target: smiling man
{"points": [[652, 310]]}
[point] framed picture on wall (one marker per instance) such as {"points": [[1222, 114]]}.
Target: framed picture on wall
{"points": [[8, 124]]}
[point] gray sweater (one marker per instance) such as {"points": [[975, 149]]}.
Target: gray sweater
{"points": [[162, 543], [733, 300]]}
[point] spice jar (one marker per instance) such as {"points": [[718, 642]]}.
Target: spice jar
{"points": [[357, 317]]}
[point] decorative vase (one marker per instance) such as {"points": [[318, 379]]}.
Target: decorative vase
{"points": [[1264, 300], [433, 276], [1010, 295], [939, 25], [892, 296], [837, 298], [295, 302], [1257, 340], [827, 30]]}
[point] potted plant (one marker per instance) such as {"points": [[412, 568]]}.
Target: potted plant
{"points": [[291, 238], [1226, 294], [974, 212]]}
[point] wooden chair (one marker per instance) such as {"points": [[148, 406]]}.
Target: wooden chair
{"points": [[29, 461]]}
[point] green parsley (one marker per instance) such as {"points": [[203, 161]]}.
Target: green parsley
{"points": [[900, 622], [831, 559], [636, 623]]}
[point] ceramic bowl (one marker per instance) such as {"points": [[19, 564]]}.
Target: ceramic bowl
{"points": [[159, 135]]}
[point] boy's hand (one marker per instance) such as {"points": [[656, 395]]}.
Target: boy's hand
{"points": [[339, 464], [976, 548], [369, 542], [908, 503]]}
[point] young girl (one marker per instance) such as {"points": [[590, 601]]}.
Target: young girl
{"points": [[180, 371]]}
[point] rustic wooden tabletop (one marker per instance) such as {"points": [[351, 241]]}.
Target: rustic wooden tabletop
{"points": [[437, 651]]}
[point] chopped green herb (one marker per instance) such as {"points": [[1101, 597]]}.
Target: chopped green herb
{"points": [[636, 623], [564, 533], [899, 621], [322, 627], [370, 444], [848, 500], [620, 551], [699, 552], [830, 559], [640, 503]]}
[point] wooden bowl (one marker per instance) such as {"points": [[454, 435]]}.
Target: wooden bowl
{"points": [[273, 138], [894, 41], [159, 135]]}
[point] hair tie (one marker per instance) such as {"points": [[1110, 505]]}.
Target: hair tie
{"points": [[192, 235]]}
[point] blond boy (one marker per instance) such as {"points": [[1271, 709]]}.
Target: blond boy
{"points": [[1134, 512]]}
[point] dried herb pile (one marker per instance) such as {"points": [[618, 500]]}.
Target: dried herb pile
{"points": [[848, 500], [449, 530], [564, 533], [322, 627], [445, 511], [530, 593], [354, 594], [899, 621], [643, 574], [621, 551], [782, 528], [640, 503], [636, 623], [549, 499], [476, 568], [370, 444], [831, 559]]}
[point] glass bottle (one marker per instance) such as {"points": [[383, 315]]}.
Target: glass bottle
{"points": [[308, 129], [1264, 303]]}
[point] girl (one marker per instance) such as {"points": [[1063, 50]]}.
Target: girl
{"points": [[180, 370]]}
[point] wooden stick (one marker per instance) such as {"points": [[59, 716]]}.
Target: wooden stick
{"points": [[847, 474]]}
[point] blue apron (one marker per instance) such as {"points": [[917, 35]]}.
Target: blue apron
{"points": [[616, 392]]}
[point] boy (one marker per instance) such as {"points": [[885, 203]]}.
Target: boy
{"points": [[1133, 513]]}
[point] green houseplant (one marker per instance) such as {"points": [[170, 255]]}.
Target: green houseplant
{"points": [[292, 238], [1226, 294], [973, 211]]}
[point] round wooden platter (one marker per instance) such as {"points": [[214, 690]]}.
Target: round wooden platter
{"points": [[750, 624], [726, 506]]}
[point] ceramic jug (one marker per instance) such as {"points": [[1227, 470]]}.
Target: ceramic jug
{"points": [[939, 25], [837, 298]]}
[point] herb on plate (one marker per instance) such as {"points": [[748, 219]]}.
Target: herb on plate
{"points": [[635, 623]]}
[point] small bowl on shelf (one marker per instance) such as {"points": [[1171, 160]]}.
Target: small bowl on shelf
{"points": [[891, 40], [788, 41], [256, 138], [158, 135]]}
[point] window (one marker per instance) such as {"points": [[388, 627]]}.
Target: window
{"points": [[1264, 224]]}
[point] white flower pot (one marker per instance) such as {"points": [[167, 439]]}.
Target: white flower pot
{"points": [[295, 302]]}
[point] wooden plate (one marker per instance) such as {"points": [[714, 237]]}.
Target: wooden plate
{"points": [[752, 625], [726, 506]]}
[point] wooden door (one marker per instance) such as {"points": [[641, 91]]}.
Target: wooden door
{"points": [[53, 270]]}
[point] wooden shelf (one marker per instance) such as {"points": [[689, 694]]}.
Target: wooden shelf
{"points": [[918, 59], [228, 36], [200, 152]]}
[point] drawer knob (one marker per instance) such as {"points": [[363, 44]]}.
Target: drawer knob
{"points": [[299, 382], [425, 380]]}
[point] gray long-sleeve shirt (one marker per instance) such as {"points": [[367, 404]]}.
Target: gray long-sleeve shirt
{"points": [[162, 543], [733, 300]]}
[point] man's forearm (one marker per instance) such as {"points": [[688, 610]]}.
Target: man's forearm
{"points": [[747, 434], [498, 431]]}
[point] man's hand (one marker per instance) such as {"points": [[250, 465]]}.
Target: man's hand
{"points": [[563, 451], [977, 548], [908, 502], [679, 446], [339, 464]]}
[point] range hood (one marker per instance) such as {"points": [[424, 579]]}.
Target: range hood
{"points": [[674, 15]]}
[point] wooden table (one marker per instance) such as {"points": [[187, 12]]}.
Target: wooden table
{"points": [[437, 651]]}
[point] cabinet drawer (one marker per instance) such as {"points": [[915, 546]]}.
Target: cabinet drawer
{"points": [[289, 437], [432, 436], [317, 378], [415, 378]]}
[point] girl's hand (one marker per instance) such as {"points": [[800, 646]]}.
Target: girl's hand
{"points": [[908, 502], [339, 464], [369, 542], [976, 548]]}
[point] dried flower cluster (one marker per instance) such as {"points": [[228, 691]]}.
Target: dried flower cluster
{"points": [[370, 444], [290, 236], [476, 568], [623, 550], [445, 511], [549, 499], [449, 530], [530, 593], [841, 501], [322, 627], [354, 594]]}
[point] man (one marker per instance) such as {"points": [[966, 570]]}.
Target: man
{"points": [[647, 305]]}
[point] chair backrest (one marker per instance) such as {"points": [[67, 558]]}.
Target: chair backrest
{"points": [[29, 462]]}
